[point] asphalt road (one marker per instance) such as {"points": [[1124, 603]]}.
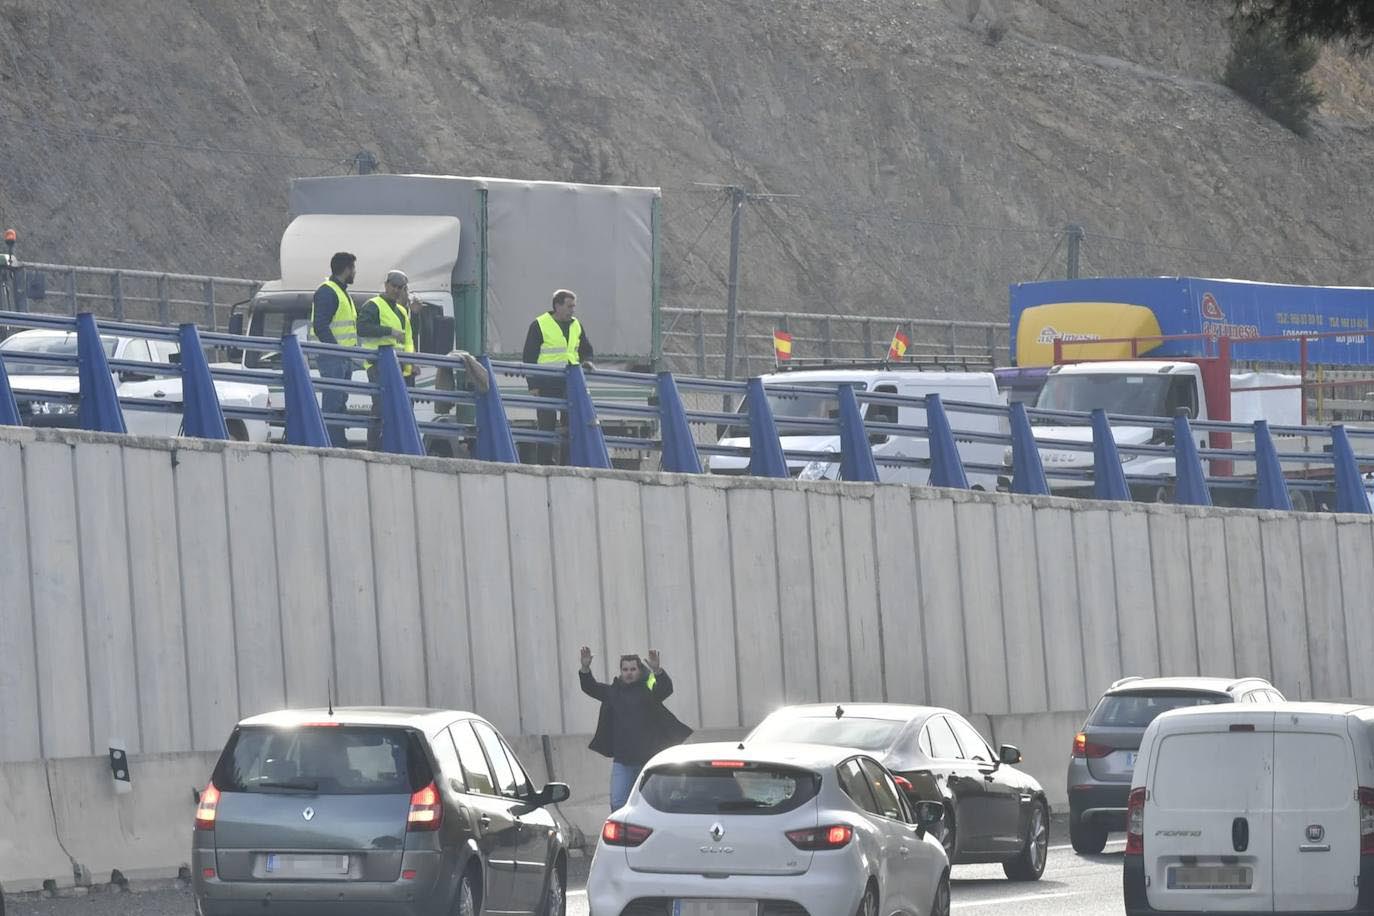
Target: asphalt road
{"points": [[1073, 885]]}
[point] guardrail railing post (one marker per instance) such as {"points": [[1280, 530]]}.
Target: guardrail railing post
{"points": [[1027, 470], [304, 422], [586, 443], [210, 304], [701, 344], [494, 439], [679, 452], [70, 283], [946, 468], [164, 305], [201, 416], [1271, 489], [1350, 491], [765, 448], [9, 407], [400, 434], [117, 295], [99, 406], [1190, 487], [856, 452], [1109, 481]]}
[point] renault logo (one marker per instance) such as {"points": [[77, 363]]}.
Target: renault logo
{"points": [[1315, 833], [308, 814], [717, 832]]}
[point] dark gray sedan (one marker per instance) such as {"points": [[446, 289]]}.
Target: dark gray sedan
{"points": [[376, 811]]}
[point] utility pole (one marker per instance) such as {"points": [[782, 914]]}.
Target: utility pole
{"points": [[737, 198], [1074, 233]]}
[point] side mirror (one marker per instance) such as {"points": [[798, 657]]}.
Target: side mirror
{"points": [[36, 285], [236, 324], [435, 331], [555, 793], [1009, 754], [174, 358], [929, 814], [128, 375]]}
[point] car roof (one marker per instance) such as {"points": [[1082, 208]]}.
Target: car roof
{"points": [[1132, 366], [1337, 709], [814, 756], [802, 377], [1194, 684], [896, 712], [428, 720]]}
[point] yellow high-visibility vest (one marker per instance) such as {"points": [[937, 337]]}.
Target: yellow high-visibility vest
{"points": [[344, 324], [395, 317], [556, 348]]}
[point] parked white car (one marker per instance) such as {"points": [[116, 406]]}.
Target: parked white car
{"points": [[1253, 808], [34, 377], [794, 828]]}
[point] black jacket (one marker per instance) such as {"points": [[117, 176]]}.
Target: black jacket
{"points": [[633, 724]]}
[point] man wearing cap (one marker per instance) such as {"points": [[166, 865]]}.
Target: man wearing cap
{"points": [[555, 339], [384, 321], [334, 320]]}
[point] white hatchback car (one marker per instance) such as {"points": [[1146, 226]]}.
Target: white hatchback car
{"points": [[771, 830]]}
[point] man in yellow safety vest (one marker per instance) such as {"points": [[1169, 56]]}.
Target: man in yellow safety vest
{"points": [[334, 320], [556, 339], [384, 321]]}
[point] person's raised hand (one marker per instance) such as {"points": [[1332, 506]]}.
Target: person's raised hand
{"points": [[586, 658], [654, 661]]}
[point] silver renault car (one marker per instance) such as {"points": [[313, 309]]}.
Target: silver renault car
{"points": [[381, 811]]}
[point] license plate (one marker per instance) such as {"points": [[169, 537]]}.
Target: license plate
{"points": [[1210, 877], [298, 865], [715, 907], [1130, 759]]}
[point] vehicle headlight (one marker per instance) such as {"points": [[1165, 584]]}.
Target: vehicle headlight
{"points": [[52, 408], [814, 470]]}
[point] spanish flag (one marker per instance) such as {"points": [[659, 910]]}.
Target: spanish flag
{"points": [[897, 349], [782, 346]]}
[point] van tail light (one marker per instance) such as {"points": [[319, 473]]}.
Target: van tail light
{"points": [[1366, 797], [205, 810], [619, 833], [1135, 823], [426, 809], [813, 839], [1082, 747]]}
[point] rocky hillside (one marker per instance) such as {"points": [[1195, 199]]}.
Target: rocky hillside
{"points": [[932, 160]]}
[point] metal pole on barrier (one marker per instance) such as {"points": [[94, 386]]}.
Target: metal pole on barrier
{"points": [[1271, 489], [946, 468], [400, 434], [1108, 480], [99, 407], [304, 422], [494, 439], [586, 444], [765, 448], [9, 407], [201, 416], [1350, 492], [679, 455], [1191, 481], [1027, 471], [856, 452]]}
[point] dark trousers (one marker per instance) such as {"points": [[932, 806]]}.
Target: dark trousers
{"points": [[552, 421], [374, 423], [333, 400]]}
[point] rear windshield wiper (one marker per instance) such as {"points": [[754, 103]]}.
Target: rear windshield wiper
{"points": [[304, 785]]}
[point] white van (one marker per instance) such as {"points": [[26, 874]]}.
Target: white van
{"points": [[1253, 808], [975, 387]]}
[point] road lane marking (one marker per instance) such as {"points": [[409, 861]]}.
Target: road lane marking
{"points": [[1024, 898]]}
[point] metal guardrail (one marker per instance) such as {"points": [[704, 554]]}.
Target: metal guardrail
{"points": [[847, 431]]}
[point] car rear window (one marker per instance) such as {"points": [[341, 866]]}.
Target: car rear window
{"points": [[728, 787], [326, 760], [861, 734], [1138, 710]]}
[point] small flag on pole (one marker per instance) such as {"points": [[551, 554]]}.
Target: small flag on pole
{"points": [[899, 344], [782, 346]]}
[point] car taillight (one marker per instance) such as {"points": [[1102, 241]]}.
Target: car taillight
{"points": [[1366, 797], [1135, 823], [426, 809], [833, 836], [1082, 747], [618, 833], [205, 811]]}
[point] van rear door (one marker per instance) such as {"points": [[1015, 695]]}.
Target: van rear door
{"points": [[1316, 813], [1208, 827]]}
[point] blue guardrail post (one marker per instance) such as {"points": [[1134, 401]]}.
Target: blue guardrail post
{"points": [[9, 407], [946, 469], [765, 449], [1027, 471], [99, 407], [586, 443], [856, 453], [1350, 491], [1271, 490], [1108, 480], [304, 423], [201, 416], [1191, 486], [400, 434], [679, 454], [494, 440]]}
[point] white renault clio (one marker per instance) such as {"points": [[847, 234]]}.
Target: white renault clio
{"points": [[772, 830], [1253, 808]]}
